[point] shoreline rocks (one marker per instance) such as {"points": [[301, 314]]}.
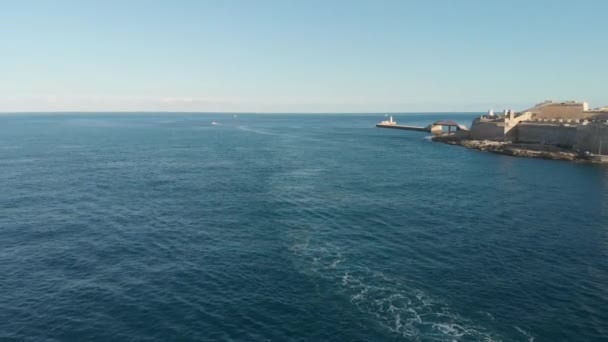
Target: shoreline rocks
{"points": [[513, 149]]}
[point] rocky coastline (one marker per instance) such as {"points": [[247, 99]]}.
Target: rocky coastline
{"points": [[519, 149]]}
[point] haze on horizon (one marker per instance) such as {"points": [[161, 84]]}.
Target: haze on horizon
{"points": [[306, 56]]}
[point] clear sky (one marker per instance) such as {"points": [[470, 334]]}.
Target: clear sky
{"points": [[300, 56]]}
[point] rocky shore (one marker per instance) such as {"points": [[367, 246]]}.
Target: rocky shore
{"points": [[517, 150]]}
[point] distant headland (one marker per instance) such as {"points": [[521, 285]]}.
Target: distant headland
{"points": [[550, 130]]}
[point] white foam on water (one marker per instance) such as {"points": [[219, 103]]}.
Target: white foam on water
{"points": [[255, 130], [399, 307], [345, 278], [489, 315], [449, 329], [335, 263], [525, 333]]}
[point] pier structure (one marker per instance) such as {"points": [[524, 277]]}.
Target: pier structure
{"points": [[435, 128]]}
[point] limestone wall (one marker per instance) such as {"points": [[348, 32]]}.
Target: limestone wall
{"points": [[549, 134], [561, 111], [481, 130], [525, 116], [599, 114], [589, 138]]}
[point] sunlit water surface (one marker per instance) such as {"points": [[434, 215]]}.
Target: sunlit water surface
{"points": [[291, 227]]}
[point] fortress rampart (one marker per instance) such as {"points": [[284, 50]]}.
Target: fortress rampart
{"points": [[565, 124]]}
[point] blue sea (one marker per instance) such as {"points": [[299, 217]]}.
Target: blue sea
{"points": [[279, 227]]}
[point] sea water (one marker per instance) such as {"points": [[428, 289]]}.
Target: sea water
{"points": [[282, 227]]}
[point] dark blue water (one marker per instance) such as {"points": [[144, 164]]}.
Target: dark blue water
{"points": [[291, 227]]}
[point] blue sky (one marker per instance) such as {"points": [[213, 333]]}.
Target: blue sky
{"points": [[300, 56]]}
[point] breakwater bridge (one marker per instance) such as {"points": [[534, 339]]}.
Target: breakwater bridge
{"points": [[434, 128]]}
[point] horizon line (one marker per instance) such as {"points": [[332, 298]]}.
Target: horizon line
{"points": [[227, 112]]}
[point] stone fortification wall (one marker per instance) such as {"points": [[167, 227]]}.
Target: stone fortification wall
{"points": [[568, 134], [513, 120], [590, 136], [561, 111], [599, 114], [481, 130], [549, 134]]}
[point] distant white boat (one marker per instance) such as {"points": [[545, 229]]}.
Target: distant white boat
{"points": [[215, 123]]}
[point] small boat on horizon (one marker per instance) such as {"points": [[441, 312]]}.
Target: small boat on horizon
{"points": [[215, 123]]}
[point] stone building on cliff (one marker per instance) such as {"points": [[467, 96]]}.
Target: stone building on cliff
{"points": [[567, 124]]}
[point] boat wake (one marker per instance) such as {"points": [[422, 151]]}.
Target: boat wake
{"points": [[255, 130], [398, 307]]}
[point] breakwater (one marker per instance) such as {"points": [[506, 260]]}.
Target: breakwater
{"points": [[405, 128]]}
